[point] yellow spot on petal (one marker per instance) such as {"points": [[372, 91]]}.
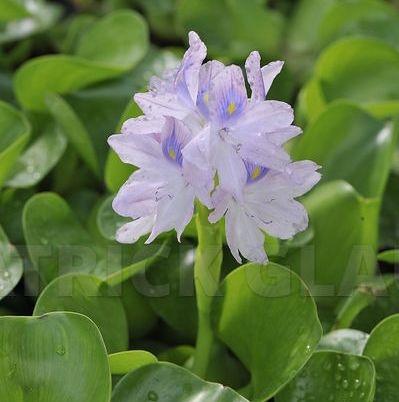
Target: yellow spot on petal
{"points": [[232, 107], [171, 153], [255, 173], [206, 98]]}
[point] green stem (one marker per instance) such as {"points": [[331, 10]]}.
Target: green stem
{"points": [[206, 275]]}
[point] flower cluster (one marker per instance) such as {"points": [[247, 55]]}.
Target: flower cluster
{"points": [[201, 136]]}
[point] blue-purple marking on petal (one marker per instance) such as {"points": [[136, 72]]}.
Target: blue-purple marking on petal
{"points": [[255, 172], [171, 148]]}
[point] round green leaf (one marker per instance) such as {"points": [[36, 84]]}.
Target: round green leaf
{"points": [[169, 383], [259, 298], [120, 38], [331, 376], [122, 44], [123, 362], [383, 348], [11, 266], [56, 357], [54, 236], [88, 295], [14, 134]]}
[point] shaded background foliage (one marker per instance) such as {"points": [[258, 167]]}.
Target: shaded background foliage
{"points": [[68, 70]]}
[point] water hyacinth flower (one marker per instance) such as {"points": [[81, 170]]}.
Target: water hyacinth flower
{"points": [[200, 128]]}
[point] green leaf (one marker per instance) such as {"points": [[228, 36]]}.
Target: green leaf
{"points": [[332, 137], [56, 357], [346, 70], [344, 340], [243, 28], [169, 383], [53, 238], [11, 266], [342, 220], [123, 362], [123, 45], [332, 376], [389, 256], [74, 129], [88, 295], [383, 348], [39, 16], [389, 218], [140, 316], [38, 159], [121, 37], [14, 134], [171, 289], [255, 300], [13, 10]]}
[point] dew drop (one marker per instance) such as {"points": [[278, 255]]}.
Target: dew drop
{"points": [[341, 367], [345, 384], [152, 396], [61, 350], [357, 383]]}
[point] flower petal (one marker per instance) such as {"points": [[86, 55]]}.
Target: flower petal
{"points": [[174, 211], [254, 76], [270, 72], [156, 105], [136, 197], [138, 150], [243, 236], [132, 231], [208, 72], [186, 80], [264, 117], [231, 170], [282, 218], [227, 96], [143, 125]]}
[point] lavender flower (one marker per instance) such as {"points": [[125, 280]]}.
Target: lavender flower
{"points": [[199, 124]]}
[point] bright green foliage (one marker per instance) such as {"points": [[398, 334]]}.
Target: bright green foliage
{"points": [[256, 299], [63, 359], [86, 319]]}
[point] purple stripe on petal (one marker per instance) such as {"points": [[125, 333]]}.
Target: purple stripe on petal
{"points": [[254, 172]]}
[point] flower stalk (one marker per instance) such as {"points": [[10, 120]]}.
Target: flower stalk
{"points": [[206, 275]]}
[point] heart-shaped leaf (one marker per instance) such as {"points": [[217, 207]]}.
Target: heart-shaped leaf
{"points": [[331, 376], [169, 383], [268, 319], [88, 295], [56, 357], [383, 348]]}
